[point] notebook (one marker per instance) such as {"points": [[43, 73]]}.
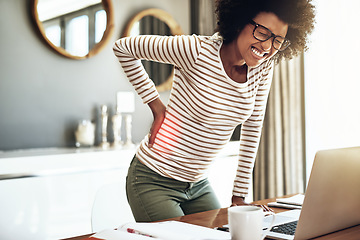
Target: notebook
{"points": [[293, 202], [332, 197]]}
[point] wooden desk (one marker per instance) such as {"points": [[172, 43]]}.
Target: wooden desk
{"points": [[218, 218]]}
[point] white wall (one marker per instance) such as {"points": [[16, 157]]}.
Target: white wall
{"points": [[332, 80]]}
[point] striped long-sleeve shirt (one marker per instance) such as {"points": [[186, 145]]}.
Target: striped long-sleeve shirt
{"points": [[205, 105]]}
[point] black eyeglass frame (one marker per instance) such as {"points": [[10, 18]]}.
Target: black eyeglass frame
{"points": [[287, 41]]}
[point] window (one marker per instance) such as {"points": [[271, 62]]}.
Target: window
{"points": [[100, 25], [77, 36], [53, 32], [332, 82]]}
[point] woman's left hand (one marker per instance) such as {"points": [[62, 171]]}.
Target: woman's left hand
{"points": [[239, 201]]}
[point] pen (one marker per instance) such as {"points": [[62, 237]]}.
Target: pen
{"points": [[131, 230], [225, 229]]}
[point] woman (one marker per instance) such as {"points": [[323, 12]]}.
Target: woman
{"points": [[220, 81]]}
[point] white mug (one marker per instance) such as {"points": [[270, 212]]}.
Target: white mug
{"points": [[246, 222]]}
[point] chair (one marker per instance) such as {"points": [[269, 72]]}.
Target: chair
{"points": [[110, 208]]}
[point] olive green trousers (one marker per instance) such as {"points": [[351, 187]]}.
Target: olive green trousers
{"points": [[153, 197]]}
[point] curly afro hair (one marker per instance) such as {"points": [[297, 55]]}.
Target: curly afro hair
{"points": [[234, 15]]}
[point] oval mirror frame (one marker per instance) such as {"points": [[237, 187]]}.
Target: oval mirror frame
{"points": [[174, 27], [108, 7]]}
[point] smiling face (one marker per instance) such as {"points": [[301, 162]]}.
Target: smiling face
{"points": [[253, 52]]}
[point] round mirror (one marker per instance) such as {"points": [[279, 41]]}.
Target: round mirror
{"points": [[155, 21], [77, 29]]}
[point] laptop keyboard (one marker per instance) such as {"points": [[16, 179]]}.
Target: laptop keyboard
{"points": [[286, 228]]}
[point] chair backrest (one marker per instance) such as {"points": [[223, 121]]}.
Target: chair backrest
{"points": [[110, 208]]}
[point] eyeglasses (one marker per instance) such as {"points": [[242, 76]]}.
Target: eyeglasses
{"points": [[262, 34]]}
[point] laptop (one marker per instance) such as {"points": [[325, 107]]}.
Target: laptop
{"points": [[332, 198]]}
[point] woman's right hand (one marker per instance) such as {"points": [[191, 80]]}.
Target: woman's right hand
{"points": [[158, 110]]}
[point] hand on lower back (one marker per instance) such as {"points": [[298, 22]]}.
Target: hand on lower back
{"points": [[158, 109]]}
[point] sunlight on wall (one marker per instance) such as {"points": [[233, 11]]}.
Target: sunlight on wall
{"points": [[332, 80]]}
